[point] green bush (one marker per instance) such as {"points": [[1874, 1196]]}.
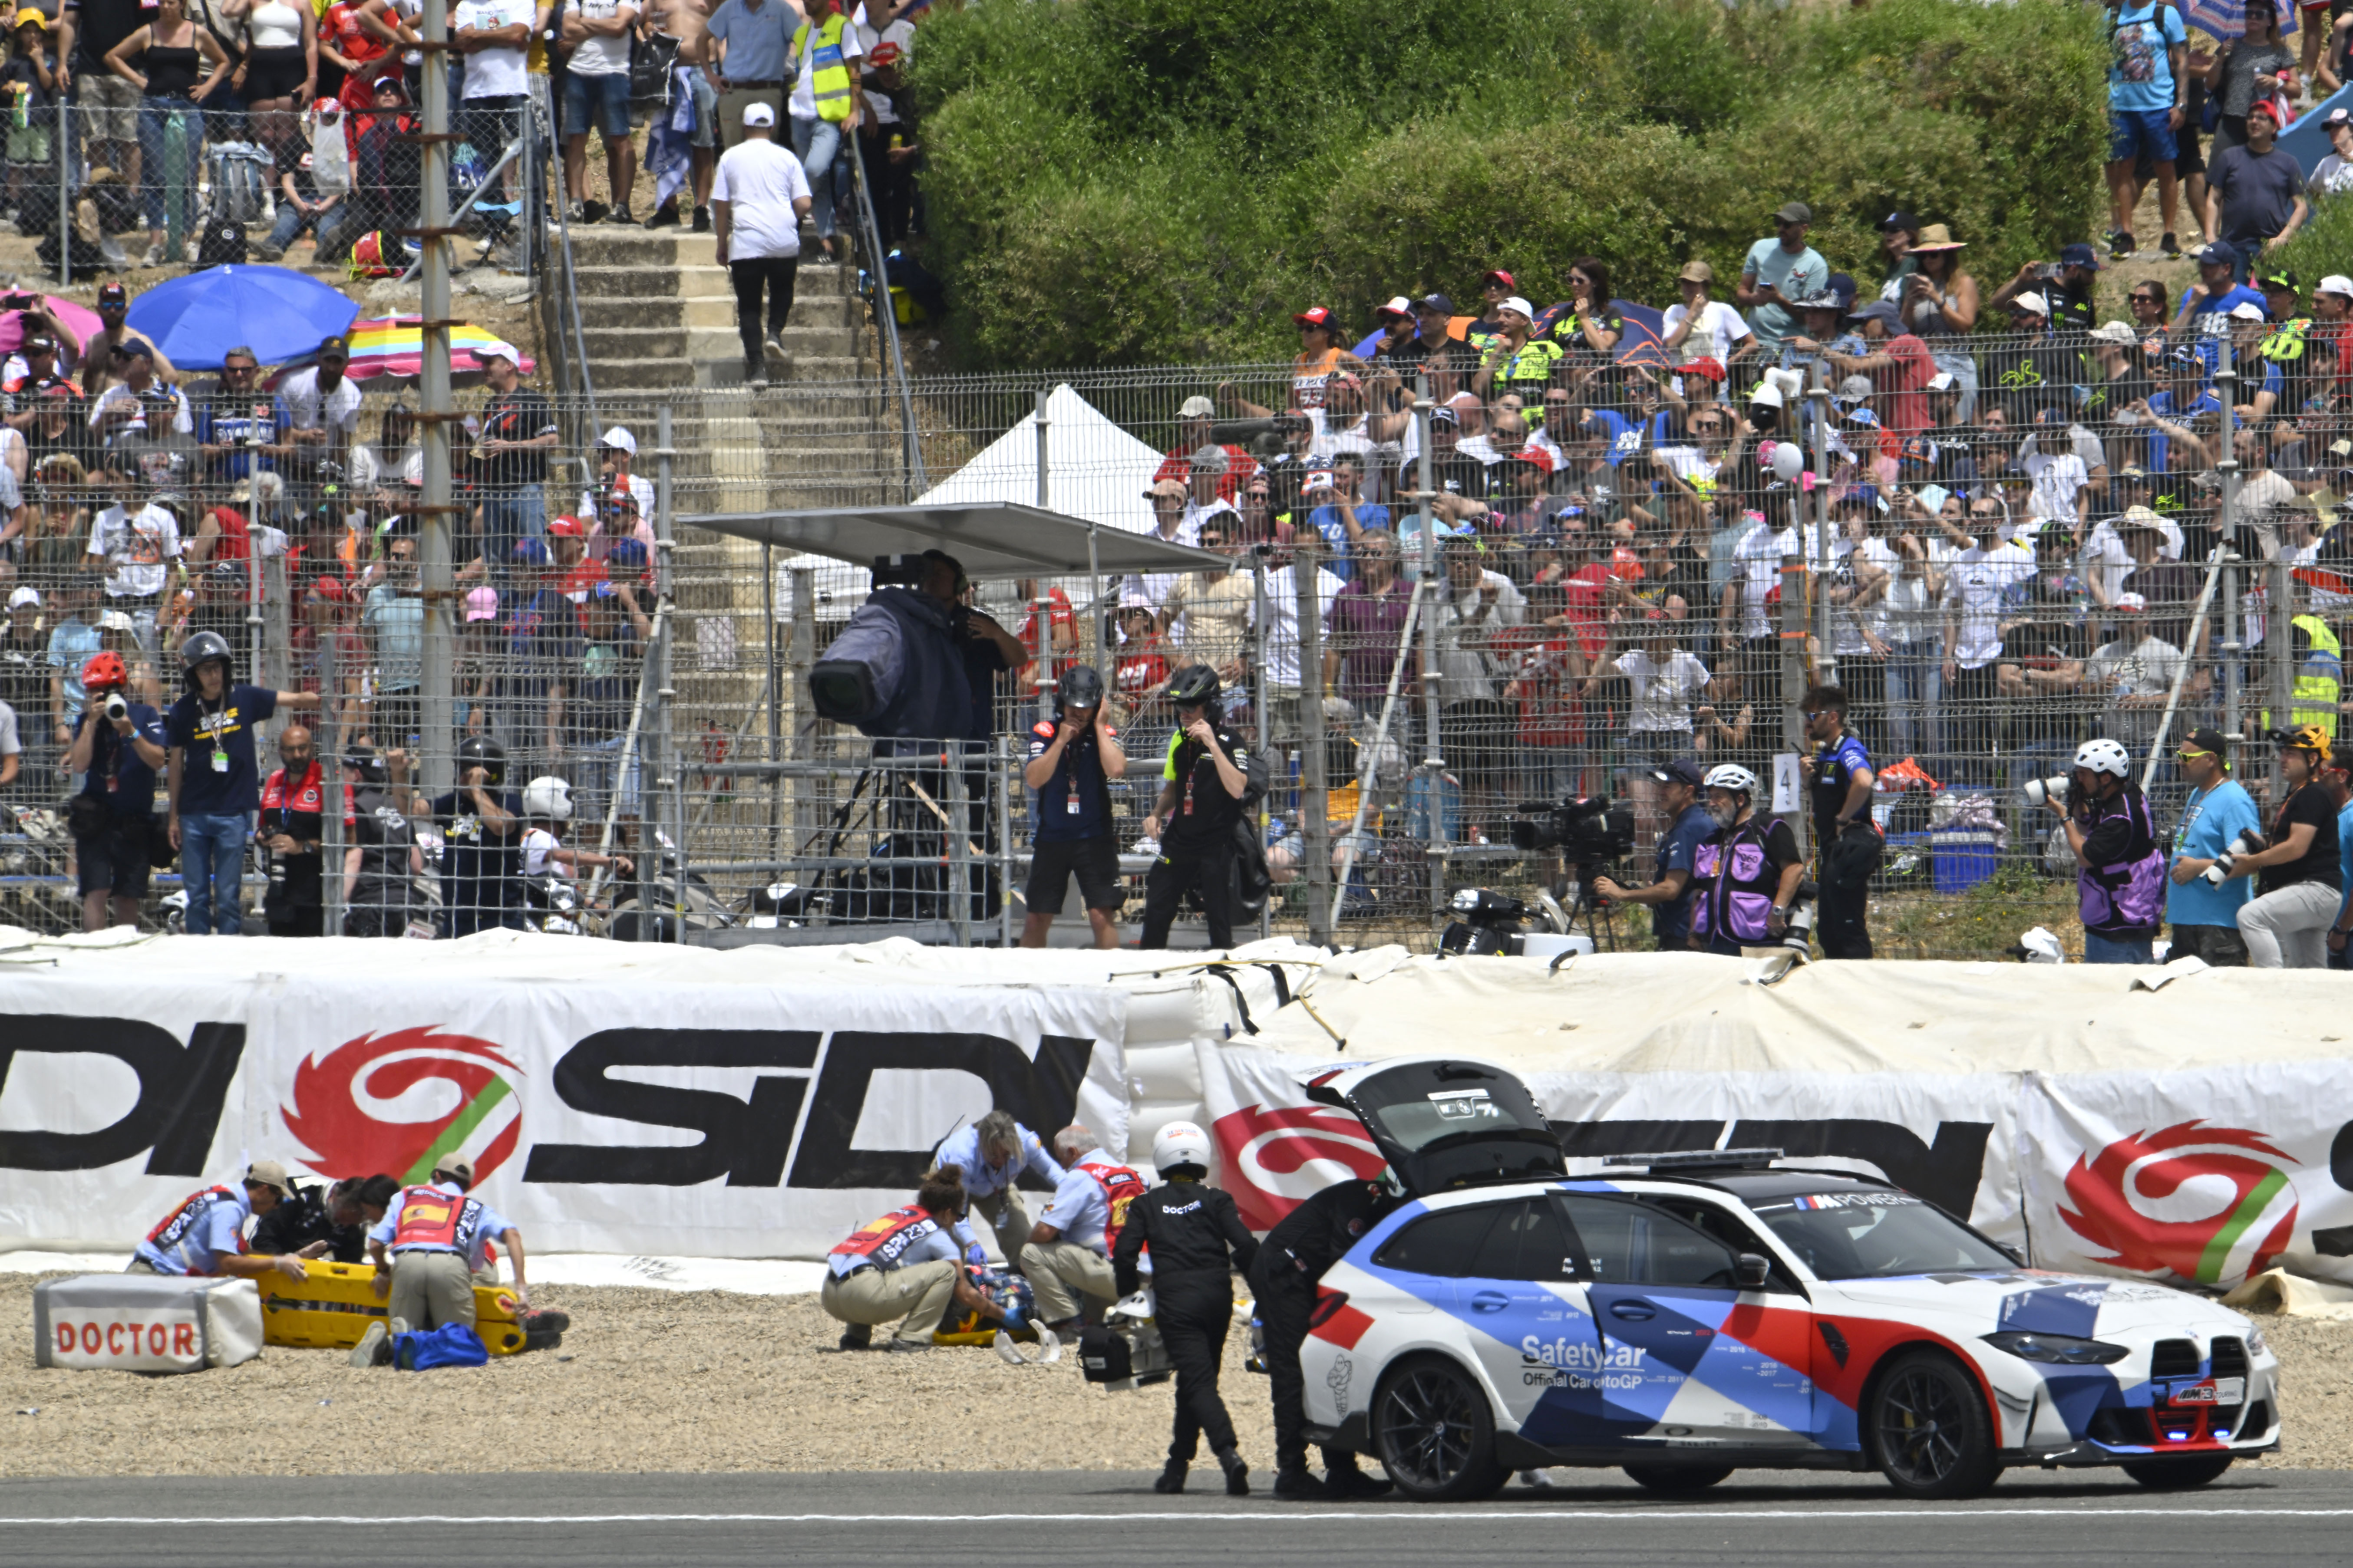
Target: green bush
{"points": [[1122, 181]]}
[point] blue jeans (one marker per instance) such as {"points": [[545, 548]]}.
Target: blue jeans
{"points": [[817, 144], [2098, 949], [2245, 254], [2133, 131], [212, 866], [510, 517], [1915, 684], [595, 103]]}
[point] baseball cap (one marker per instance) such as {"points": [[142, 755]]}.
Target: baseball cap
{"points": [[40, 342], [1171, 490], [1444, 415], [1903, 221], [1522, 306], [334, 346], [1196, 407], [1918, 449], [2248, 310], [759, 114], [1315, 316], [23, 596], [1842, 285], [2280, 282], [461, 1169], [327, 588], [2215, 255], [113, 294], [2118, 333], [885, 53], [482, 604], [1209, 458], [1697, 272], [1879, 310], [1942, 381], [2335, 283], [135, 348], [2131, 604], [565, 528], [2029, 304], [530, 553], [1708, 367], [1680, 769], [1400, 306], [1821, 299], [2209, 741], [1437, 303], [619, 439], [1794, 212], [2079, 256], [1767, 395], [32, 19], [499, 348], [2265, 107], [269, 1174], [626, 553], [1536, 457], [1498, 276], [2141, 516]]}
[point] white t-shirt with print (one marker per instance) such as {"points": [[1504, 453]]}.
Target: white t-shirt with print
{"points": [[1760, 560], [1848, 625], [1662, 689], [495, 73], [1976, 586], [1718, 331], [135, 548], [599, 56]]}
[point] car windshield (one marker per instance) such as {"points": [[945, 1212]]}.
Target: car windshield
{"points": [[1413, 1112], [1871, 1234]]}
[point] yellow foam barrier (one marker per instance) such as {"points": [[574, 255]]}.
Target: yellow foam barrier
{"points": [[333, 1309]]}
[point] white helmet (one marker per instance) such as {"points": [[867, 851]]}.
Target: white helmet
{"points": [[1732, 776], [1180, 1143], [548, 798], [2104, 757]]}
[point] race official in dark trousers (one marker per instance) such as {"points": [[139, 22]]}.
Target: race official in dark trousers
{"points": [[1848, 840], [1197, 1240], [1208, 781], [1072, 759], [1292, 1258], [292, 831], [1671, 890]]}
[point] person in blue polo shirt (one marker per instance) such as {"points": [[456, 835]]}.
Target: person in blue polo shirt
{"points": [[2204, 917], [430, 1244], [215, 782], [1669, 895], [992, 1154], [204, 1236]]}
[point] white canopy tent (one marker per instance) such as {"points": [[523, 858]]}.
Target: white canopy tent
{"points": [[1094, 469]]}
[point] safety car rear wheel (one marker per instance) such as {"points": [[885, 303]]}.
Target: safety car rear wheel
{"points": [[1677, 1477], [1930, 1430], [1435, 1433], [2178, 1475]]}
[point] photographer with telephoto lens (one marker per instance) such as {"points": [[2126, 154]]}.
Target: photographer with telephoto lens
{"points": [[2120, 864], [1748, 870]]}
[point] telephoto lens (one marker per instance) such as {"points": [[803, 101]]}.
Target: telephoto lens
{"points": [[115, 707], [2040, 791], [2246, 843]]}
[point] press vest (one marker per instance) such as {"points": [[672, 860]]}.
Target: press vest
{"points": [[1120, 1186], [182, 1220], [1741, 880], [829, 78], [429, 1217], [881, 1242], [2127, 898]]}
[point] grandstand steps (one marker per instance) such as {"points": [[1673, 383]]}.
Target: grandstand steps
{"points": [[658, 313]]}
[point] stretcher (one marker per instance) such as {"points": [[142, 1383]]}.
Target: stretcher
{"points": [[333, 1309]]}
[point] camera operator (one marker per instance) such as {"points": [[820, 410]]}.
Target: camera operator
{"points": [[117, 749], [1670, 895], [2120, 864], [1747, 869], [1849, 839], [1209, 777], [2297, 896]]}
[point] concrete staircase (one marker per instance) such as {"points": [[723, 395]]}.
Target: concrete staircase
{"points": [[658, 313]]}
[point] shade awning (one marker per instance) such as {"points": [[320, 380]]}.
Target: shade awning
{"points": [[1000, 539]]}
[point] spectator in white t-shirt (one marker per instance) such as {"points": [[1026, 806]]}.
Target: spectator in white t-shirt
{"points": [[492, 36], [322, 404], [596, 92], [1700, 328], [757, 201]]}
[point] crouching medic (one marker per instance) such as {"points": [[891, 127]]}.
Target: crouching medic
{"points": [[904, 1269]]}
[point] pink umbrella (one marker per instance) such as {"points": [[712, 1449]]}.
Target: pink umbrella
{"points": [[79, 319]]}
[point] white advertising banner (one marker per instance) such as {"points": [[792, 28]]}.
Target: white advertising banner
{"points": [[620, 1115], [2203, 1176]]}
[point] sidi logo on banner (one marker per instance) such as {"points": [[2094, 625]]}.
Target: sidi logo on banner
{"points": [[2197, 1202], [180, 1090], [398, 1102]]}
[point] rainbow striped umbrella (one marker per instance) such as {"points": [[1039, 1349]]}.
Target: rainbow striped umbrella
{"points": [[392, 348]]}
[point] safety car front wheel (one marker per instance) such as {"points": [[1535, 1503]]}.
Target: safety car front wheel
{"points": [[1931, 1434], [1435, 1434]]}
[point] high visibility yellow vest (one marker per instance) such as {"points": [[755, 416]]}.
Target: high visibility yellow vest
{"points": [[830, 78], [2319, 678]]}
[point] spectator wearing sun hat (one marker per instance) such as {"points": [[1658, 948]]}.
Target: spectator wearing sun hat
{"points": [[1699, 327]]}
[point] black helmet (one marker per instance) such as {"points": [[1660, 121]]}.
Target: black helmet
{"points": [[367, 763], [202, 649], [481, 751], [1082, 687], [1194, 686]]}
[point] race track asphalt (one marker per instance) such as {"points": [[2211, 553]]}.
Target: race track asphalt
{"points": [[1098, 1519]]}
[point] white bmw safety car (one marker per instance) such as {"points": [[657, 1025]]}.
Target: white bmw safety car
{"points": [[1723, 1310]]}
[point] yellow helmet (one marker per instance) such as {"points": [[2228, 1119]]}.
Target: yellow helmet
{"points": [[2305, 738]]}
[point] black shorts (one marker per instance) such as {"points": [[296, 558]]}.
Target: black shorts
{"points": [[1095, 862], [272, 73], [114, 861]]}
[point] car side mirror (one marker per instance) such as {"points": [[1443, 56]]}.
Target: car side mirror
{"points": [[1750, 1271]]}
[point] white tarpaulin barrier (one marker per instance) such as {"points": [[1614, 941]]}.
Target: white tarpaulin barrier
{"points": [[2197, 1133], [759, 1103]]}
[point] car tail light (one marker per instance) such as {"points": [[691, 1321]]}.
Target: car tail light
{"points": [[1326, 1305]]}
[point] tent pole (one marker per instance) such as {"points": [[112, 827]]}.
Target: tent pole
{"points": [[1041, 417]]}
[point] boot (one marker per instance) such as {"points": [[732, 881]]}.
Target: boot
{"points": [[857, 1337], [1299, 1486], [1351, 1482], [1237, 1473], [1171, 1479]]}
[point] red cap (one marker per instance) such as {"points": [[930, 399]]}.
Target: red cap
{"points": [[1708, 369], [565, 528], [1499, 275], [1536, 457], [327, 588], [1317, 317], [885, 54], [1625, 565]]}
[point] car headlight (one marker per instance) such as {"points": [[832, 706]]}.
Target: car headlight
{"points": [[2064, 1350], [2256, 1343]]}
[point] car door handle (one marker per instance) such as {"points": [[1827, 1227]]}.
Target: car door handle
{"points": [[1633, 1311], [1490, 1301]]}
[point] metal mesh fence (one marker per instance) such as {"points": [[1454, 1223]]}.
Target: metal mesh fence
{"points": [[1618, 574]]}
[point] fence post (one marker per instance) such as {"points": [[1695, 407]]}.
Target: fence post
{"points": [[1263, 716], [1819, 396], [775, 692], [804, 657], [1314, 796], [438, 409], [2279, 647], [1007, 791], [1793, 674], [65, 192], [1434, 761], [959, 848], [666, 695]]}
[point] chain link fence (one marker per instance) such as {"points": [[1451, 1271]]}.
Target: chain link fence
{"points": [[2104, 538]]}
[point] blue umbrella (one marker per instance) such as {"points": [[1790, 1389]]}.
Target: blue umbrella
{"points": [[278, 313]]}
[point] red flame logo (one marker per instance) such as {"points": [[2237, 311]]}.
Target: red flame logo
{"points": [[2182, 1200], [1276, 1156], [332, 1096]]}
